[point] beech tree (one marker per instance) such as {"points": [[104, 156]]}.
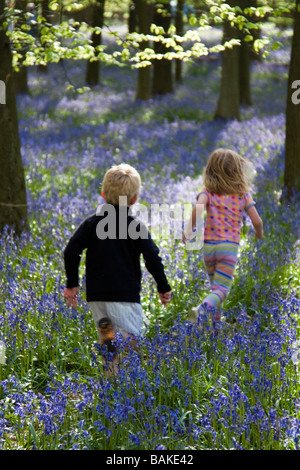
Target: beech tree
{"points": [[157, 44], [162, 68], [235, 89], [93, 66], [292, 138], [144, 12], [229, 96], [13, 203], [21, 76], [179, 31]]}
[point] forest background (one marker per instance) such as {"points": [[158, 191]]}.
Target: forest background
{"points": [[73, 106]]}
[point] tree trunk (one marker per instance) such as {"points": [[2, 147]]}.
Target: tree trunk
{"points": [[229, 97], [244, 74], [144, 19], [235, 86], [246, 56], [179, 31], [21, 76], [162, 72], [45, 12], [132, 17], [13, 204], [93, 68], [21, 81], [292, 139]]}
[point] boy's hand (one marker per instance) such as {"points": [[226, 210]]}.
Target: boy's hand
{"points": [[71, 295], [165, 297]]}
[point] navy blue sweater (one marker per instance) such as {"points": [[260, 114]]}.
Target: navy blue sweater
{"points": [[113, 271]]}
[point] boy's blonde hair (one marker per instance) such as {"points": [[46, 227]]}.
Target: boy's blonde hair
{"points": [[225, 173], [121, 180]]}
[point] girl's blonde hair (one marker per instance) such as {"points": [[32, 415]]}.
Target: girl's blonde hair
{"points": [[121, 180], [225, 173]]}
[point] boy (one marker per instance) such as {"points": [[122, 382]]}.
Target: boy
{"points": [[113, 272]]}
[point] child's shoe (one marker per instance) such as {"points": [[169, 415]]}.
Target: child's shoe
{"points": [[108, 340]]}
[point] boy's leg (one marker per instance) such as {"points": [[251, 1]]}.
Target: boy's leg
{"points": [[127, 318], [106, 331], [108, 344]]}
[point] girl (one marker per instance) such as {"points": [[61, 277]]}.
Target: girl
{"points": [[225, 197]]}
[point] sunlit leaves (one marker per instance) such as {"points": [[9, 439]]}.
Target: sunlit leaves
{"points": [[72, 40]]}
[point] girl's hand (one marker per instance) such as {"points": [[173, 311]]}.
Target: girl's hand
{"points": [[259, 234], [186, 236], [71, 295]]}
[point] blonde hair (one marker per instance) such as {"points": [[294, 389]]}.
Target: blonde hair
{"points": [[225, 173], [121, 180]]}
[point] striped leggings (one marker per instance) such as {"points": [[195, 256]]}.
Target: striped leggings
{"points": [[220, 259]]}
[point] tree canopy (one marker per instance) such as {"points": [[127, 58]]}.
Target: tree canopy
{"points": [[65, 37]]}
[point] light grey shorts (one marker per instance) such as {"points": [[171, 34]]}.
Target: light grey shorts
{"points": [[126, 317]]}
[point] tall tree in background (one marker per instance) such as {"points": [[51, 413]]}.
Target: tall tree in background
{"points": [[162, 68], [292, 140], [93, 67], [245, 97], [21, 76], [13, 204], [235, 80], [229, 97], [144, 10], [132, 17], [179, 31], [45, 12]]}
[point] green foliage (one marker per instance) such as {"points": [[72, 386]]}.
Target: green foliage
{"points": [[36, 42]]}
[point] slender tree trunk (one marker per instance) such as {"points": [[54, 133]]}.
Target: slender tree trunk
{"points": [[45, 12], [292, 139], [246, 55], [93, 68], [21, 81], [13, 204], [229, 97], [21, 76], [162, 72], [244, 74], [144, 19], [179, 31], [132, 18], [235, 86]]}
